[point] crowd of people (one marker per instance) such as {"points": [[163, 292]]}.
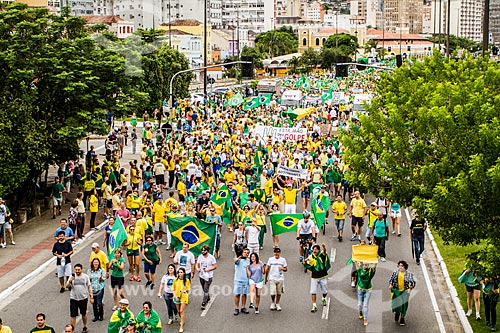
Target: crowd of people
{"points": [[185, 155]]}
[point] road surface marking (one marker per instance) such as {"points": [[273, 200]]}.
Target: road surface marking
{"points": [[326, 309], [435, 306], [209, 304], [333, 254]]}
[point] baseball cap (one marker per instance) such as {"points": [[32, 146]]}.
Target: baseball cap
{"points": [[159, 197], [373, 204], [124, 301], [289, 184], [204, 192], [94, 245], [277, 250]]}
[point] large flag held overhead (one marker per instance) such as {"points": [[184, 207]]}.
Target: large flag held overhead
{"points": [[117, 235], [236, 100], [221, 196], [365, 253], [298, 113], [326, 96], [251, 104], [193, 231], [281, 223], [320, 204]]}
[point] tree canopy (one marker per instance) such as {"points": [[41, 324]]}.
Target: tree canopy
{"points": [[274, 43], [347, 44], [433, 143], [58, 79]]}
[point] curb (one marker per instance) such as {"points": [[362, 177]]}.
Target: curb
{"points": [[9, 291], [451, 288]]}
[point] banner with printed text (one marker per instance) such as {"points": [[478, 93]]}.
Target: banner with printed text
{"points": [[280, 134], [291, 172]]}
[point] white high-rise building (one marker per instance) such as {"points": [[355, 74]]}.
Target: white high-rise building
{"points": [[466, 18], [245, 14], [194, 10]]}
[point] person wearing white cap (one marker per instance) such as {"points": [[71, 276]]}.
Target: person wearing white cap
{"points": [[99, 254], [120, 317], [372, 216], [290, 195]]}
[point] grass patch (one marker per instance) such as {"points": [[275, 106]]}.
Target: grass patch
{"points": [[454, 257]]}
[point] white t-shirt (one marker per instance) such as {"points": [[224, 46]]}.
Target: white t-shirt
{"points": [[305, 228], [204, 263], [274, 273], [185, 260], [167, 281], [253, 234]]}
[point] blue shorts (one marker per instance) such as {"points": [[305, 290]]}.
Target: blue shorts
{"points": [[305, 194], [339, 224], [241, 288], [150, 268]]}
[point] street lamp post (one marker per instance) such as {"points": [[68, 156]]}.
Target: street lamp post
{"points": [[204, 49]]}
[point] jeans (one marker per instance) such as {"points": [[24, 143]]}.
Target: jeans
{"points": [[490, 309], [80, 226], [380, 241], [97, 306], [363, 300], [92, 219], [418, 244], [205, 284], [169, 301]]}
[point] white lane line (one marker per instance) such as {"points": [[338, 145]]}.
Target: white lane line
{"points": [[333, 254], [326, 309], [435, 306], [209, 304]]}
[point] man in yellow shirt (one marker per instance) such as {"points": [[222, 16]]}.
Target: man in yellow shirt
{"points": [[160, 227], [357, 212], [181, 189], [339, 208], [170, 201]]}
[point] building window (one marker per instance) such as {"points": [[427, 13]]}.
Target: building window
{"points": [[317, 41], [304, 41], [323, 41]]}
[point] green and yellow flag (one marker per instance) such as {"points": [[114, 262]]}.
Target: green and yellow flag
{"points": [[264, 99], [298, 113], [251, 103], [320, 204], [236, 100], [193, 231], [221, 196], [281, 223], [117, 236]]}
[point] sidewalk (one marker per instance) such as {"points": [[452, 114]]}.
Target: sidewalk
{"points": [[34, 240]]}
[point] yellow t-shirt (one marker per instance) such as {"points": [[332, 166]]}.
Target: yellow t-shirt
{"points": [[401, 281], [260, 219], [94, 204], [142, 223], [181, 188], [268, 187], [229, 177], [169, 202], [132, 241], [103, 258], [290, 196], [358, 207], [340, 208], [159, 212], [372, 216]]}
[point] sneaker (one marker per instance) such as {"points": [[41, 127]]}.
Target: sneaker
{"points": [[402, 321], [203, 305], [396, 316], [314, 308], [148, 283], [353, 238], [170, 321], [360, 316], [478, 317], [323, 301], [85, 330], [353, 284], [236, 312], [301, 258], [418, 263], [262, 248], [340, 238], [152, 286], [399, 235], [2, 246], [383, 259], [278, 307], [488, 324], [393, 232], [138, 278], [95, 319], [251, 306], [13, 243], [62, 290], [244, 310], [257, 311], [359, 238], [468, 313], [177, 317], [493, 328], [272, 307]]}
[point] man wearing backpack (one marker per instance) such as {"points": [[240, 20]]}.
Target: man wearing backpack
{"points": [[380, 234]]}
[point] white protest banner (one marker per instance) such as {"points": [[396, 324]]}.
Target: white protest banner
{"points": [[280, 134], [294, 173], [337, 96]]}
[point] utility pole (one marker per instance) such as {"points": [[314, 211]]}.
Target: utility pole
{"points": [[448, 17], [486, 26], [205, 48]]}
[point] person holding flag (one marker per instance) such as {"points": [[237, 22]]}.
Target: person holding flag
{"points": [[319, 264]]}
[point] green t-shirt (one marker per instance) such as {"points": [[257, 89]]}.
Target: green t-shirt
{"points": [[365, 278], [150, 252], [115, 271], [46, 329], [243, 199], [57, 190]]}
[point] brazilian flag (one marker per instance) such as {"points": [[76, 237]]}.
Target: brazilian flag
{"points": [[281, 223], [265, 99], [193, 231], [236, 100], [251, 104], [117, 235], [320, 204], [326, 96], [300, 82], [306, 85], [221, 196]]}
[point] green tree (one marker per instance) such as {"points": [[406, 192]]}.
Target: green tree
{"points": [[275, 43], [150, 35], [347, 44], [310, 58], [369, 45], [328, 56], [253, 52], [458, 43], [433, 143]]}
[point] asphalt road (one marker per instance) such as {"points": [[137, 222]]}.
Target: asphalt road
{"points": [[42, 295]]}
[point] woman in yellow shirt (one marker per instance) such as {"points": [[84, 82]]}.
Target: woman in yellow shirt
{"points": [[94, 208], [181, 287], [260, 219], [132, 243]]}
